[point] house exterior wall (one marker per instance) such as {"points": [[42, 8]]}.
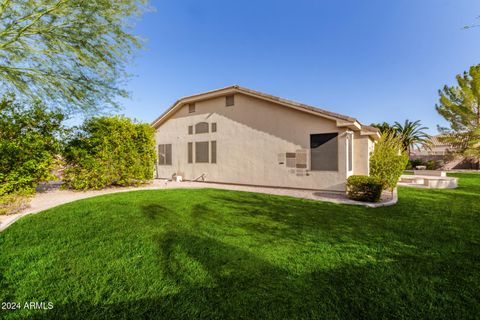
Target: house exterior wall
{"points": [[363, 146], [250, 137]]}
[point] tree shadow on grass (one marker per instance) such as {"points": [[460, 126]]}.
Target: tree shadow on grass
{"points": [[210, 279], [200, 215], [414, 219], [296, 220], [240, 285], [154, 210]]}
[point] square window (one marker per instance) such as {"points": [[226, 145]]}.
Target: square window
{"points": [[191, 107], [229, 100], [214, 127], [201, 152], [190, 129]]}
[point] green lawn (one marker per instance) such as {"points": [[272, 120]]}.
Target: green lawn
{"points": [[221, 254]]}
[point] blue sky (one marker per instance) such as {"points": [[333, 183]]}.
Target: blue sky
{"points": [[375, 60]]}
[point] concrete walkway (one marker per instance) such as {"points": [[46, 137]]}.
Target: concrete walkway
{"points": [[49, 199]]}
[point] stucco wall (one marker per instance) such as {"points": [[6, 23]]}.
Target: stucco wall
{"points": [[362, 145], [250, 136]]}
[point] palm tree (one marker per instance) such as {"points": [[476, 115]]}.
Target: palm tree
{"points": [[412, 134]]}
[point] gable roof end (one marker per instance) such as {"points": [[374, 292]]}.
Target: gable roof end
{"points": [[342, 120]]}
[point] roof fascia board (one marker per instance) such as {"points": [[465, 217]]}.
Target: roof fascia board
{"points": [[372, 134]]}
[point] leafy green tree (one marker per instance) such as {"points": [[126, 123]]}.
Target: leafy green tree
{"points": [[110, 151], [388, 160], [460, 106], [28, 144], [70, 53], [413, 135]]}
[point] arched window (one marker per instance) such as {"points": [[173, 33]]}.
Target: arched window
{"points": [[201, 127]]}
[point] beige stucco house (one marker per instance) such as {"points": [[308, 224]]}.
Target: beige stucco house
{"points": [[241, 136]]}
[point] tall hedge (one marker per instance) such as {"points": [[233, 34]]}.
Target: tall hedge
{"points": [[388, 160], [28, 144], [110, 151]]}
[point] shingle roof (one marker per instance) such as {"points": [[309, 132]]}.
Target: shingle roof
{"points": [[437, 141]]}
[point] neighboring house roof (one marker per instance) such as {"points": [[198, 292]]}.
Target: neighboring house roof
{"points": [[342, 120], [436, 141], [435, 146]]}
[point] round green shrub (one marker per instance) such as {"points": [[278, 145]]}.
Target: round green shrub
{"points": [[433, 164], [364, 188], [412, 164]]}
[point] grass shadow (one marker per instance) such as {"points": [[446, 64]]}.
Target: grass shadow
{"points": [[154, 210], [241, 285]]}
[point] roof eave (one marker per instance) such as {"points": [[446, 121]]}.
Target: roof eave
{"points": [[375, 135], [353, 125]]}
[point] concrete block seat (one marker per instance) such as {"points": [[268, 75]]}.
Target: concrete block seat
{"points": [[428, 181], [412, 179], [435, 173]]}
